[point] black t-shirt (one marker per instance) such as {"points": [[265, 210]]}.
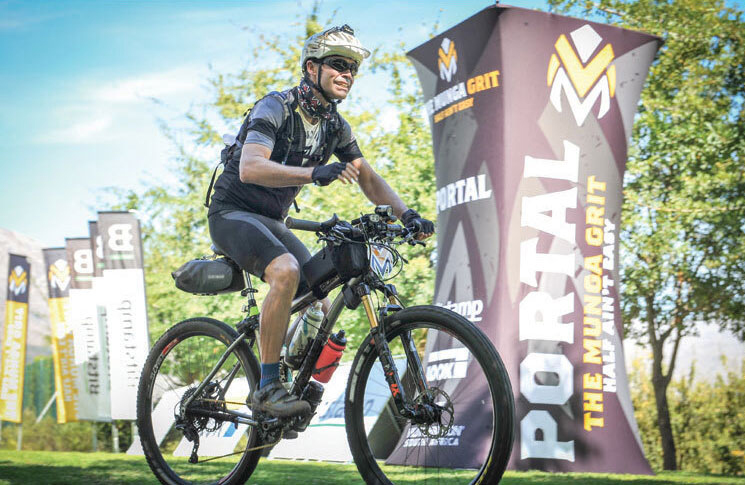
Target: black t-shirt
{"points": [[269, 124]]}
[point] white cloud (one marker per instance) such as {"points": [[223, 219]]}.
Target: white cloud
{"points": [[82, 131], [173, 82], [120, 109], [13, 17]]}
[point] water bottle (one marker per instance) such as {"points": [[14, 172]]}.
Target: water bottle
{"points": [[285, 373], [330, 356], [306, 330]]}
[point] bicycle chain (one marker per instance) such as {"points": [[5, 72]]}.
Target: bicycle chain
{"points": [[226, 402], [242, 451]]}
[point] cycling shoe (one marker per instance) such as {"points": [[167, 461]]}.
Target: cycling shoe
{"points": [[274, 400]]}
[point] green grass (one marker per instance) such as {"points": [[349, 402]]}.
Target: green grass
{"points": [[44, 467]]}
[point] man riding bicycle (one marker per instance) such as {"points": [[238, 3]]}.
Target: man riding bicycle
{"points": [[286, 142]]}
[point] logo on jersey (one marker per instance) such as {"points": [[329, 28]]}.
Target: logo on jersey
{"points": [[583, 71], [447, 59], [18, 281]]}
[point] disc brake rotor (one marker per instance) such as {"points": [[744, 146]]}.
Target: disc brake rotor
{"points": [[440, 412]]}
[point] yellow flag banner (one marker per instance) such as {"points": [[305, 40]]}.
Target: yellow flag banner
{"points": [[14, 340], [63, 344]]}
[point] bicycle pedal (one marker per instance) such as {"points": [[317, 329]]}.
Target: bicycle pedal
{"points": [[267, 422]]}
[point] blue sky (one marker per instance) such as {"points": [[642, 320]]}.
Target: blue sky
{"points": [[78, 79]]}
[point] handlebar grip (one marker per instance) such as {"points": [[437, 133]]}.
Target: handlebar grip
{"points": [[414, 227], [302, 225], [313, 226]]}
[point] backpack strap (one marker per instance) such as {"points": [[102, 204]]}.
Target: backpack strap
{"points": [[289, 104], [231, 143], [212, 183]]}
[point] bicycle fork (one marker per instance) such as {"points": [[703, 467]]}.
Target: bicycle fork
{"points": [[386, 358]]}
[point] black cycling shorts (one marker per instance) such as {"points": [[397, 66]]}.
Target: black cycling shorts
{"points": [[253, 240]]}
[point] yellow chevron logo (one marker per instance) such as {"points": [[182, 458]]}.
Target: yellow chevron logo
{"points": [[59, 274], [583, 76], [584, 71], [18, 281], [447, 61]]}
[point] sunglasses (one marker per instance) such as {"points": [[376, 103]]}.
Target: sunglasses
{"points": [[341, 65]]}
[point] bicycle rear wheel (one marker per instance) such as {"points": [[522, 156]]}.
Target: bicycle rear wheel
{"points": [[177, 363], [470, 438]]}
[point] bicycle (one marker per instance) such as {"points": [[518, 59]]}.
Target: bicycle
{"points": [[202, 369]]}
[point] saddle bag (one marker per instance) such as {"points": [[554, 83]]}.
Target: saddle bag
{"points": [[209, 277]]}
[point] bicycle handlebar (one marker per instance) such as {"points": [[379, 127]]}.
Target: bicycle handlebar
{"points": [[354, 232]]}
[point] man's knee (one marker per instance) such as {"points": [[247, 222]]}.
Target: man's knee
{"points": [[283, 271]]}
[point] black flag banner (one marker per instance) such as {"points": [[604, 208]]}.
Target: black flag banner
{"points": [[530, 115], [59, 279], [15, 330]]}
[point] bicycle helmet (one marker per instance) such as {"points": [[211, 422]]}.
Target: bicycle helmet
{"points": [[336, 41]]}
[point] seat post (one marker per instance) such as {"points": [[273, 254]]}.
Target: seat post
{"points": [[250, 323], [251, 308]]}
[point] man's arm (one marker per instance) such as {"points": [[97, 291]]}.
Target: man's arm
{"points": [[256, 168], [376, 189]]}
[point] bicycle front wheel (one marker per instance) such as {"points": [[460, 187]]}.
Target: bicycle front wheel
{"points": [[468, 436], [178, 362]]}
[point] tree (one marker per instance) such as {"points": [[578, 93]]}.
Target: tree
{"points": [[175, 222], [708, 420], [683, 213]]}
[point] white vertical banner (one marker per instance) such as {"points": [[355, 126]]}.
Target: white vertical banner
{"points": [[92, 369], [99, 297], [126, 308]]}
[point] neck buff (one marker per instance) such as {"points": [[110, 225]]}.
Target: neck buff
{"points": [[312, 104]]}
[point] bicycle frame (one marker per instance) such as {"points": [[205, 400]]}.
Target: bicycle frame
{"points": [[359, 286]]}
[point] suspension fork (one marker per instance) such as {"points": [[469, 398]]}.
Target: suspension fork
{"points": [[413, 361], [384, 354]]}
